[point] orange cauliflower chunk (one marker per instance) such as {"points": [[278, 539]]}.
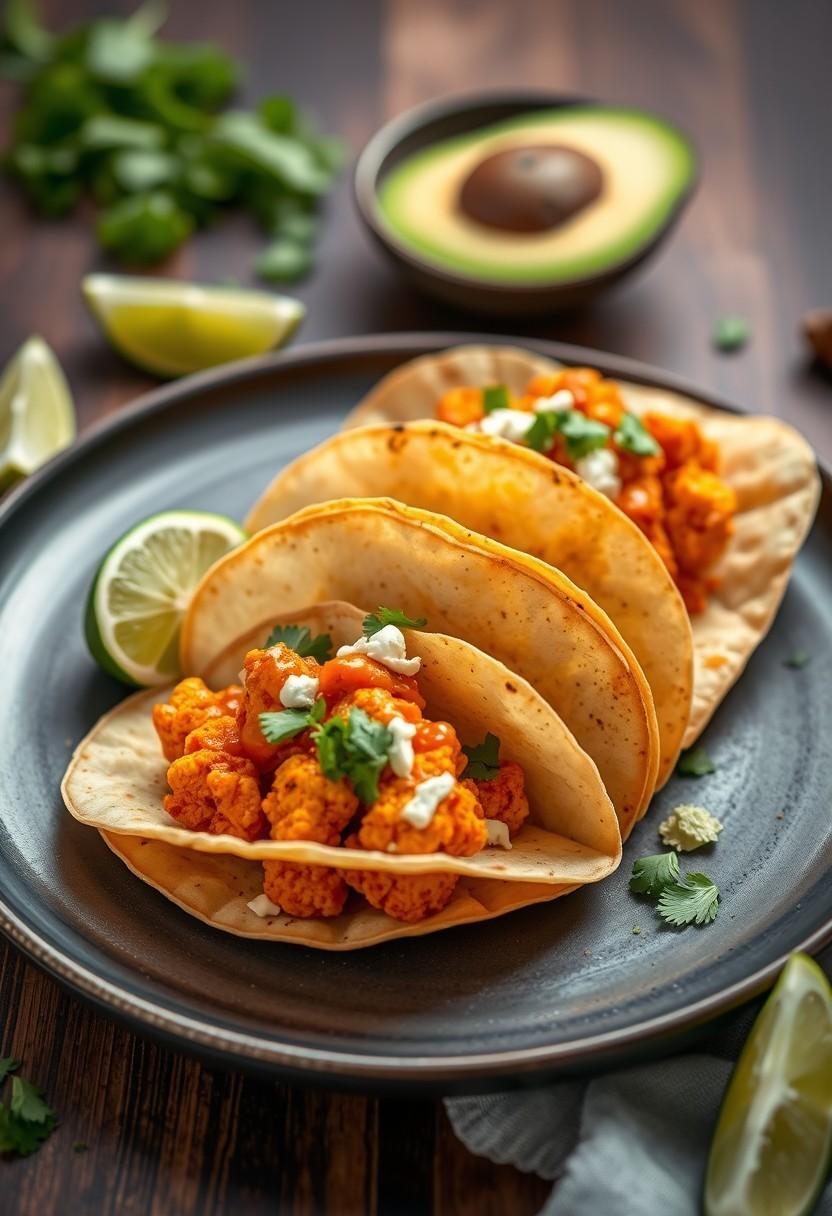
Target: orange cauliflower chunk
{"points": [[408, 897], [302, 890], [681, 441], [303, 804], [504, 796], [460, 406], [216, 735], [700, 515], [643, 501], [216, 792], [377, 703], [266, 671], [191, 704], [457, 826]]}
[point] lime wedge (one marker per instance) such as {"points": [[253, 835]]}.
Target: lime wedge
{"points": [[142, 590], [171, 328], [37, 417], [771, 1149]]}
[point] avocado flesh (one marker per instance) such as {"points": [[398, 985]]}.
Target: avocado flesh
{"points": [[647, 168]]}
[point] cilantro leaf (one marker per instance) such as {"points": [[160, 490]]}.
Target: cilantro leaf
{"points": [[695, 762], [7, 1065], [495, 397], [356, 748], [652, 874], [299, 639], [731, 333], [279, 725], [692, 901], [374, 621], [632, 436], [27, 1102], [583, 435], [541, 434], [483, 759], [799, 659], [19, 1135]]}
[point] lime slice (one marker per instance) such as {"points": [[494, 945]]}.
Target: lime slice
{"points": [[771, 1149], [37, 417], [171, 328], [142, 590]]}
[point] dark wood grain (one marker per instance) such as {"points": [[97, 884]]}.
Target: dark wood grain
{"points": [[750, 80]]}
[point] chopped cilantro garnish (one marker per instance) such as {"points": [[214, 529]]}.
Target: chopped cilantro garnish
{"points": [[483, 759], [279, 725], [632, 436], [695, 762], [356, 748], [374, 621], [583, 435], [495, 397], [731, 333], [652, 874], [541, 434], [27, 1121], [694, 900], [799, 659], [299, 639]]}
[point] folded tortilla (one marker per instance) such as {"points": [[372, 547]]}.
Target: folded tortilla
{"points": [[510, 606], [523, 500], [769, 465]]}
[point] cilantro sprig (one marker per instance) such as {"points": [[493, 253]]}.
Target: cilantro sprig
{"points": [[483, 759], [356, 748], [495, 397], [690, 899], [282, 724], [299, 639], [374, 621], [581, 434], [631, 435], [27, 1121]]}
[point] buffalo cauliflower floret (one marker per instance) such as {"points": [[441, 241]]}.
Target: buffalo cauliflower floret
{"points": [[191, 704], [408, 897], [216, 792], [266, 671], [302, 890], [504, 796], [377, 703], [461, 406], [216, 735], [700, 515], [345, 675], [456, 827], [303, 804]]}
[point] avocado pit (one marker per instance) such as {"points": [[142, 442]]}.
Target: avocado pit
{"points": [[530, 189]]}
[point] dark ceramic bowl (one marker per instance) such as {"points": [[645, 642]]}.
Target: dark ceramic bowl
{"points": [[438, 120]]}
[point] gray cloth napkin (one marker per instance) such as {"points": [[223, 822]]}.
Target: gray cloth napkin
{"points": [[631, 1142]]}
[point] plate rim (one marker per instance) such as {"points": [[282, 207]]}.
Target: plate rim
{"points": [[242, 1049]]}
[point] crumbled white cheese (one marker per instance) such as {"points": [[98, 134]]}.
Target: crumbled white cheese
{"points": [[688, 827], [387, 647], [561, 400], [497, 833], [600, 469], [400, 753], [299, 692], [263, 906], [507, 424], [421, 808]]}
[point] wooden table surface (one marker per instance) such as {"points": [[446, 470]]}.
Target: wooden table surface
{"points": [[750, 81]]}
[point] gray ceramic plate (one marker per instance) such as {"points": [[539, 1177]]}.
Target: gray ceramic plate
{"points": [[553, 987]]}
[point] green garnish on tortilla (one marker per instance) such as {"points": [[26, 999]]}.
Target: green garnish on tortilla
{"points": [[483, 759], [299, 639], [375, 621]]}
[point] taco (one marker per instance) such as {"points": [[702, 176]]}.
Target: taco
{"points": [[725, 500], [515, 608], [343, 793]]}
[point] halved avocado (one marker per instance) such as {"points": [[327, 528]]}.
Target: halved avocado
{"points": [[646, 168]]}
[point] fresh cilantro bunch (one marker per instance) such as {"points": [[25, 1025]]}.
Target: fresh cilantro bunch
{"points": [[483, 759], [299, 639], [110, 110], [27, 1121], [692, 899]]}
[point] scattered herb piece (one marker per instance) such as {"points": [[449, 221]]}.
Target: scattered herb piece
{"points": [[28, 1120], [541, 434], [632, 436], [799, 659], [27, 1102], [7, 1065], [688, 827], [299, 639], [582, 435], [356, 748], [375, 621], [279, 725], [636, 930], [695, 762], [652, 874], [731, 333], [692, 901], [483, 759], [495, 397]]}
